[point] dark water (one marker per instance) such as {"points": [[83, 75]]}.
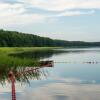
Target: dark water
{"points": [[75, 76]]}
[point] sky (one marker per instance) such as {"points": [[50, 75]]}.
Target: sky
{"points": [[73, 20]]}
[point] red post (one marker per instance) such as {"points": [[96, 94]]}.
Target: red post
{"points": [[12, 79], [13, 91]]}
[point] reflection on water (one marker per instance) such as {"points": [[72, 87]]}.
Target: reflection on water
{"points": [[50, 53], [64, 81], [22, 74], [38, 54]]}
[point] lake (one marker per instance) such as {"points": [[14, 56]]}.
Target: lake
{"points": [[74, 76]]}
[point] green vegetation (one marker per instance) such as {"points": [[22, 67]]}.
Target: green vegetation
{"points": [[17, 39], [20, 73], [18, 65], [10, 61]]}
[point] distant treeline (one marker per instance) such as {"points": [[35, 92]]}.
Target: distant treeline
{"points": [[17, 39]]}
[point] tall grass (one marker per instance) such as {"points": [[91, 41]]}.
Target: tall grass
{"points": [[10, 61]]}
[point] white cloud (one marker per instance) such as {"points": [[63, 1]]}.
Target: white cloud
{"points": [[60, 5], [75, 13], [15, 14], [8, 9]]}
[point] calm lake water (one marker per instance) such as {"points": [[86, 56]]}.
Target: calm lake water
{"points": [[74, 76]]}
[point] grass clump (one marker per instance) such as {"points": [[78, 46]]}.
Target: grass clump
{"points": [[6, 60]]}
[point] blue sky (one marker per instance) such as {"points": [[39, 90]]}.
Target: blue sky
{"points": [[74, 20]]}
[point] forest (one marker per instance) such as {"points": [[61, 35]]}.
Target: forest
{"points": [[18, 39]]}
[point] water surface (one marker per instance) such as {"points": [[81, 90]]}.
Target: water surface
{"points": [[74, 76]]}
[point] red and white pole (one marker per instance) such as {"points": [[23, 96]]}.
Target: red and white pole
{"points": [[12, 79]]}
